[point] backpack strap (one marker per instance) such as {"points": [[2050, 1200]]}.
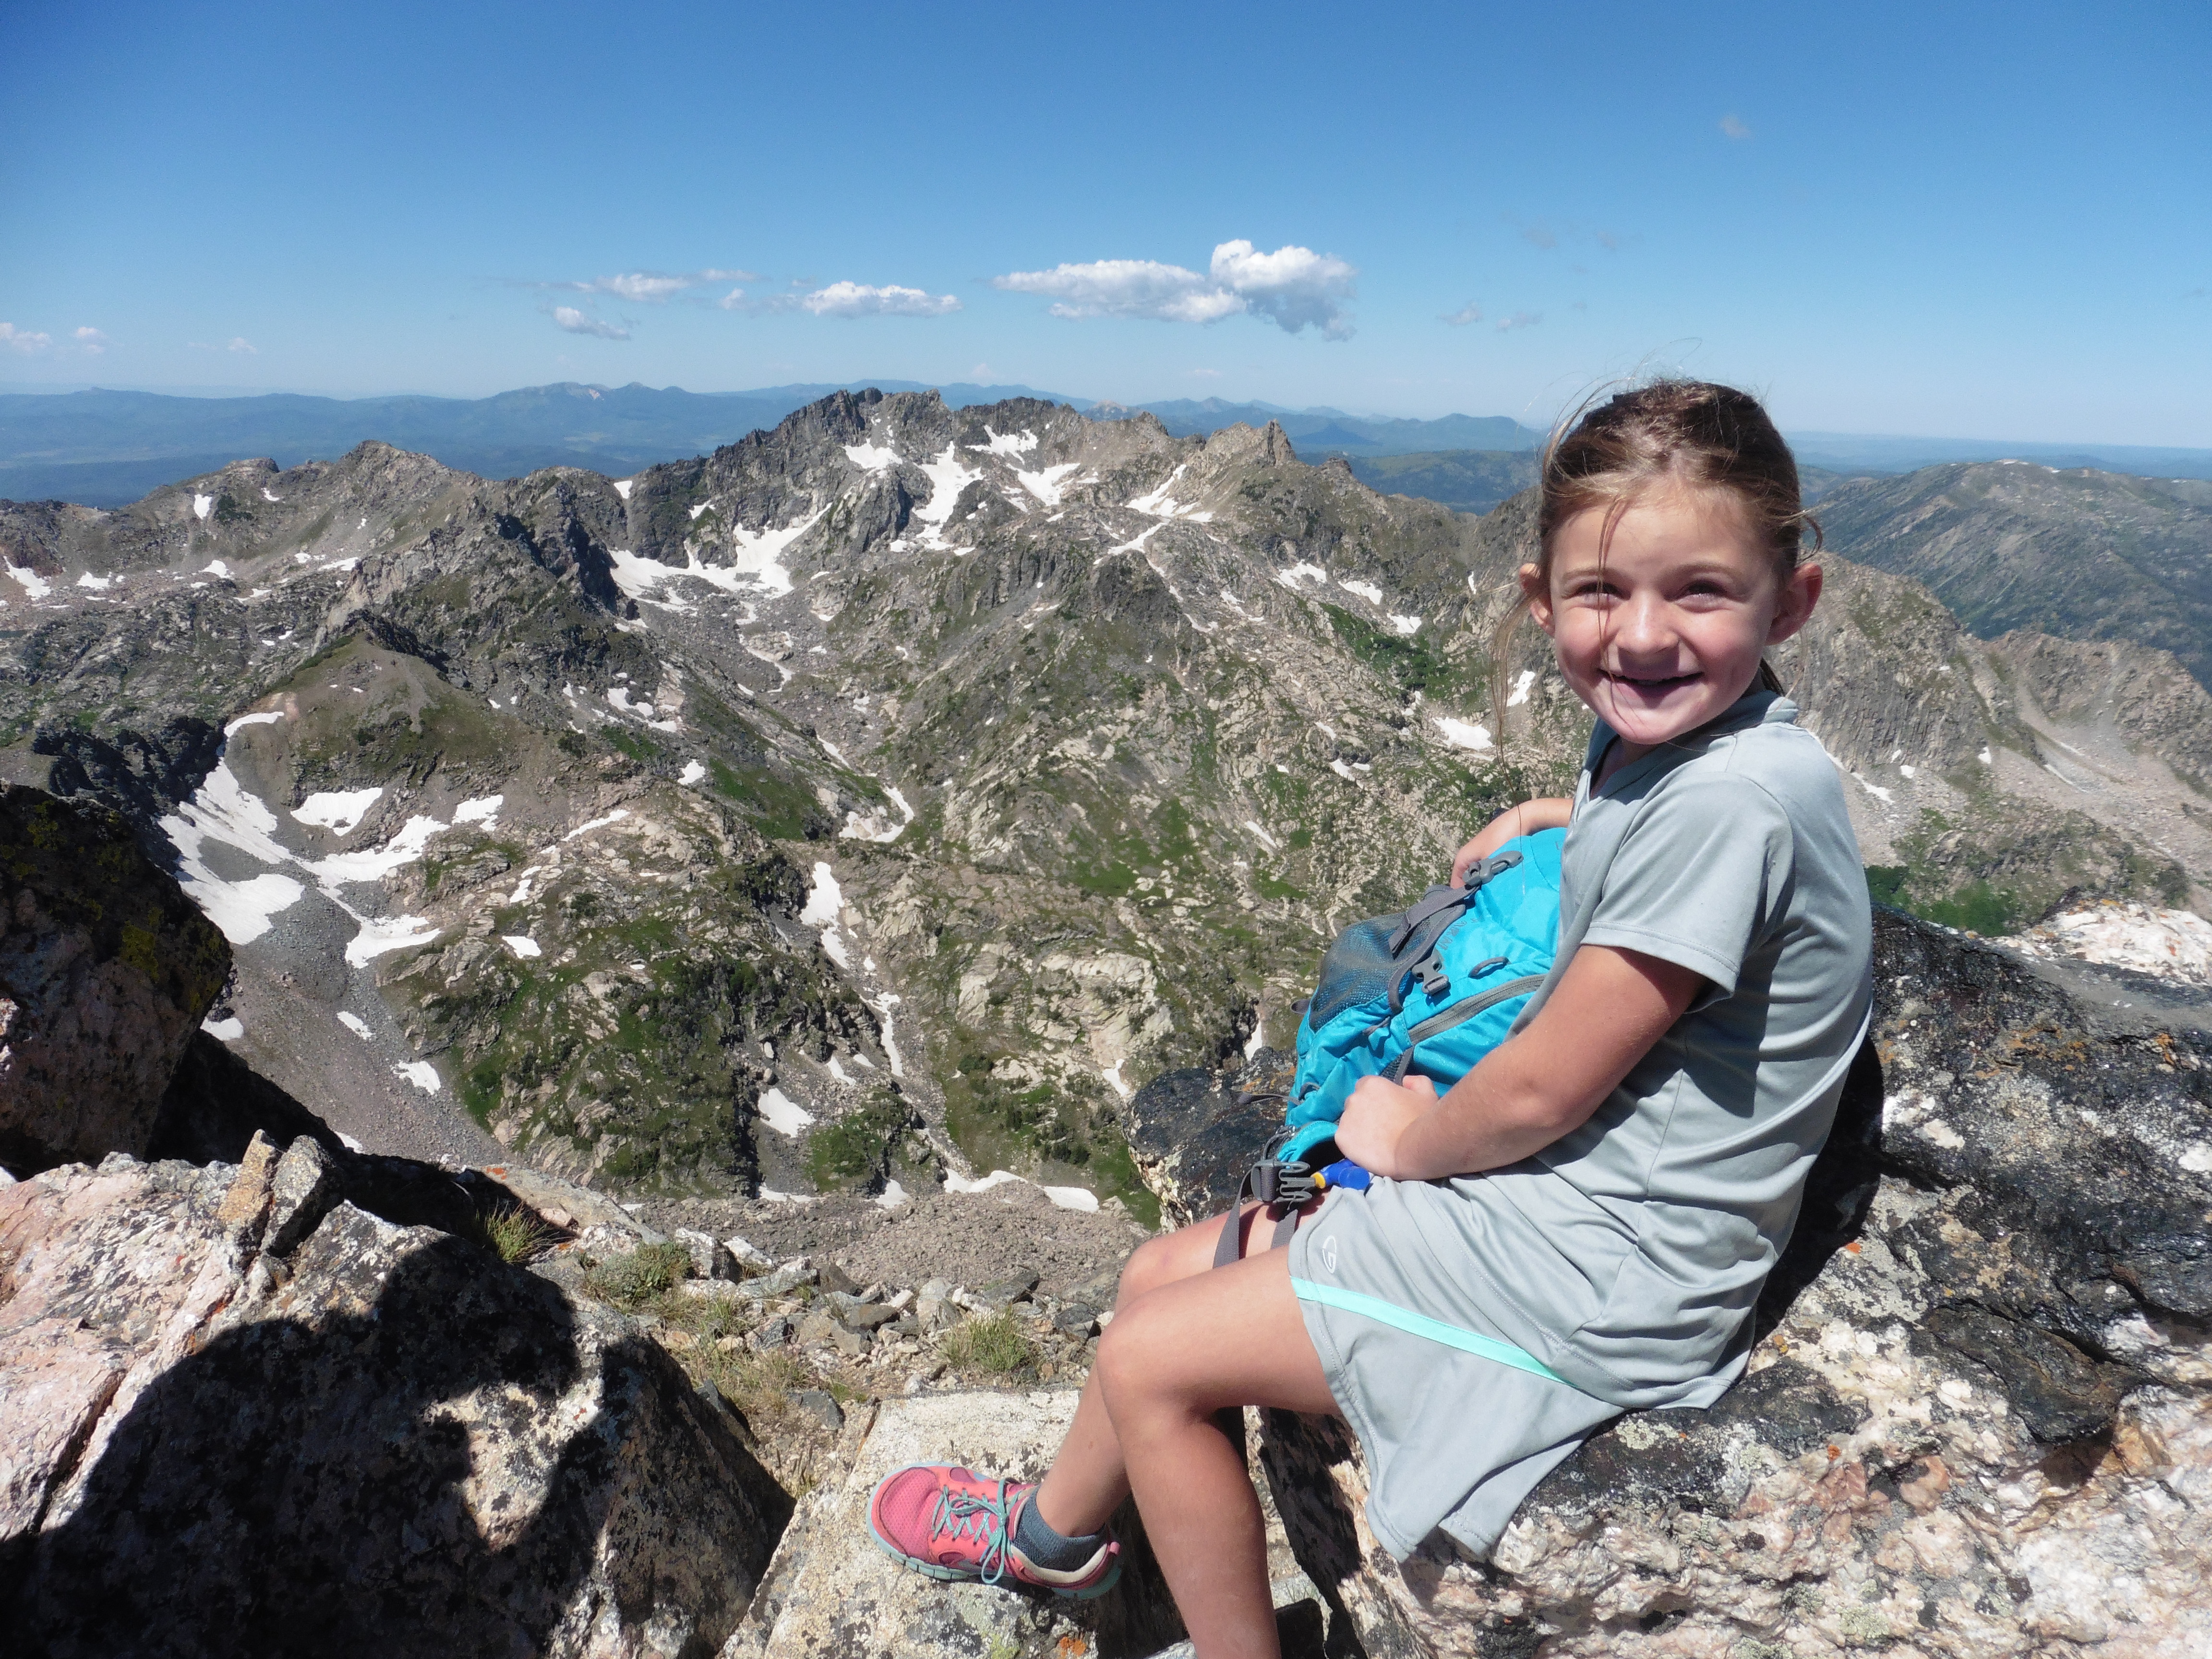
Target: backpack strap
{"points": [[1282, 1188], [1437, 900], [1434, 904]]}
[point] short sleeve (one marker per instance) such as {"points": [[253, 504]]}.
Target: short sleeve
{"points": [[1696, 876]]}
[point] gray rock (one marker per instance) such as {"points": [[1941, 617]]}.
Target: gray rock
{"points": [[782, 1282], [750, 1256], [821, 1405], [399, 1439], [771, 1333], [302, 1190], [858, 1314], [835, 1278], [933, 1306], [710, 1257], [604, 1226], [1076, 1321], [1000, 1293], [106, 970]]}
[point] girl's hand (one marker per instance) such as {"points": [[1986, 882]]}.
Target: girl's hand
{"points": [[1545, 813], [1375, 1116]]}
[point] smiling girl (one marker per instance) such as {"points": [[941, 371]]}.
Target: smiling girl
{"points": [[1581, 1223]]}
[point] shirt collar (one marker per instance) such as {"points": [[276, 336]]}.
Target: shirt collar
{"points": [[1757, 707]]}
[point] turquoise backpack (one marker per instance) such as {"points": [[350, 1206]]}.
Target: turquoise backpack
{"points": [[1438, 986]]}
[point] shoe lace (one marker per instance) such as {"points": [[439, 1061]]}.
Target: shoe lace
{"points": [[958, 1512]]}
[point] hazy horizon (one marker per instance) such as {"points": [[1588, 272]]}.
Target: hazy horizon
{"points": [[2066, 442]]}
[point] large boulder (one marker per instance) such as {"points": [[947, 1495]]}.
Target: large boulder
{"points": [[1976, 1422], [831, 1592], [106, 970], [243, 1415], [1194, 1132]]}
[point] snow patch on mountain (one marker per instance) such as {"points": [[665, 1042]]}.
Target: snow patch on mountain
{"points": [[947, 478], [1462, 734], [1046, 485], [338, 811], [871, 458]]}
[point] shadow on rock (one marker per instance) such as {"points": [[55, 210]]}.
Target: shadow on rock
{"points": [[335, 1487]]}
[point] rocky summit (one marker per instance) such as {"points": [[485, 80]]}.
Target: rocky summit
{"points": [[556, 1028]]}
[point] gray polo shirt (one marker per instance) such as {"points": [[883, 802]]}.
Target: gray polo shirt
{"points": [[1628, 1254]]}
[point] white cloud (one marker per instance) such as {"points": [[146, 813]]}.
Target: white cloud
{"points": [[638, 285], [569, 318], [23, 339], [243, 346], [652, 287], [91, 341], [1291, 287], [1519, 319], [1294, 286], [1127, 287], [1469, 312], [859, 300], [1735, 127]]}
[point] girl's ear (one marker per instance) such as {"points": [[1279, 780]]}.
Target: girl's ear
{"points": [[1794, 605], [1536, 594]]}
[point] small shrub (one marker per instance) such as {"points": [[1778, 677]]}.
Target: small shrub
{"points": [[637, 1281], [992, 1343], [1886, 884], [516, 1235]]}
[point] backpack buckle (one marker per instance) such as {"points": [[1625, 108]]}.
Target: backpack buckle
{"points": [[1286, 1185]]}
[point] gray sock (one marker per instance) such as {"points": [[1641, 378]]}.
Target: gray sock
{"points": [[1048, 1548]]}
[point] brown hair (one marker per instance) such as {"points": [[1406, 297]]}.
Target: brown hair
{"points": [[1690, 434]]}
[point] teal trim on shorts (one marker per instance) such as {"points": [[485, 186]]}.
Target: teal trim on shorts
{"points": [[1435, 1330]]}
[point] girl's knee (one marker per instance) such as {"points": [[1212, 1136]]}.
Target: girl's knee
{"points": [[1128, 1354], [1182, 1253], [1150, 1266]]}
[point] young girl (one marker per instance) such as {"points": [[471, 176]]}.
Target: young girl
{"points": [[1581, 1223]]}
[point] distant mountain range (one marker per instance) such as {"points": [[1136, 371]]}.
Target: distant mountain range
{"points": [[106, 448], [2012, 544], [910, 782]]}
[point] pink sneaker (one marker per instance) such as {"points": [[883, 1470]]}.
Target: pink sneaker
{"points": [[951, 1523]]}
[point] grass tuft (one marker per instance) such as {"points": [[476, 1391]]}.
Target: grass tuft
{"points": [[517, 1235], [995, 1344], [636, 1282]]}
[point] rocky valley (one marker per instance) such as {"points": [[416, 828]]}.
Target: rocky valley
{"points": [[766, 935], [891, 795]]}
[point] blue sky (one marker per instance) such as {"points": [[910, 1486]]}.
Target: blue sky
{"points": [[1960, 220]]}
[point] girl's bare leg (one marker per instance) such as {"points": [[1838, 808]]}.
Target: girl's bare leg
{"points": [[1187, 1349], [1087, 1480]]}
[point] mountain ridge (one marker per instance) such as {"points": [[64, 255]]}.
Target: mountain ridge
{"points": [[884, 797]]}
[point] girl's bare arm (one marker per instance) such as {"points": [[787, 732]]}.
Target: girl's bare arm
{"points": [[1607, 1010], [1545, 813]]}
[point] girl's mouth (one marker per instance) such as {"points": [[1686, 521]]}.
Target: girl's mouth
{"points": [[1651, 686]]}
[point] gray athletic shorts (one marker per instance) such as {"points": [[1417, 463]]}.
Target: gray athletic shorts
{"points": [[1456, 1424]]}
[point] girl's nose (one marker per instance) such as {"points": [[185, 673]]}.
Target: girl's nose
{"points": [[1642, 626]]}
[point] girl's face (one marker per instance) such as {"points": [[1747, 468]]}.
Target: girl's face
{"points": [[1660, 630]]}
